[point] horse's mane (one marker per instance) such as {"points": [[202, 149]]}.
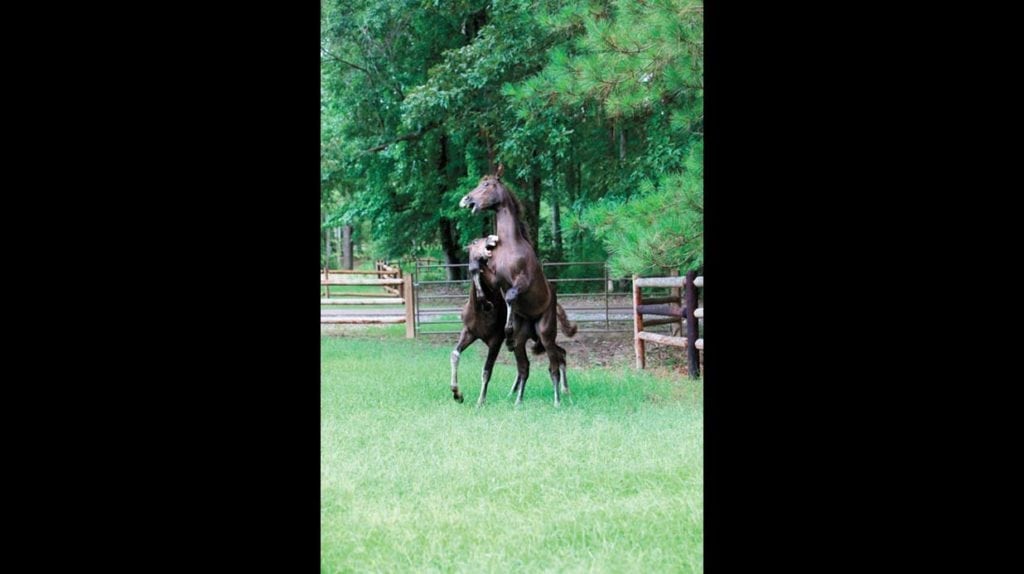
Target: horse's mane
{"points": [[517, 209]]}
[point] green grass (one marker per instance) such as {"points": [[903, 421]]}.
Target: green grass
{"points": [[411, 481]]}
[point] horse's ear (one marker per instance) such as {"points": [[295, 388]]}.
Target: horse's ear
{"points": [[501, 169]]}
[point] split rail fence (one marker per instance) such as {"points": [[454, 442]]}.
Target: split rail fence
{"points": [[397, 291], [678, 308]]}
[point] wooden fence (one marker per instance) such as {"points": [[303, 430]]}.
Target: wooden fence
{"points": [[439, 301], [385, 271], [397, 291], [678, 308]]}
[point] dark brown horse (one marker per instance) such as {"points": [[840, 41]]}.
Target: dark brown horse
{"points": [[483, 277], [529, 298], [484, 318]]}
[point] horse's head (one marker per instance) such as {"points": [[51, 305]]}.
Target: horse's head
{"points": [[488, 193], [480, 249]]}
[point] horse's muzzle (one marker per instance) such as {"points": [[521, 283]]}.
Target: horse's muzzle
{"points": [[467, 202]]}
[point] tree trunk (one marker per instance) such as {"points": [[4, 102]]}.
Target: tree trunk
{"points": [[346, 246], [532, 206], [451, 249], [534, 209], [357, 245], [327, 241], [556, 227], [572, 191], [622, 143], [449, 239], [472, 24], [337, 240], [579, 197], [579, 179]]}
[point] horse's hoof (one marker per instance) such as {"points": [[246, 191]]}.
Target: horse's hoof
{"points": [[458, 398]]}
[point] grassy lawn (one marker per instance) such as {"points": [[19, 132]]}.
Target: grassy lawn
{"points": [[612, 481]]}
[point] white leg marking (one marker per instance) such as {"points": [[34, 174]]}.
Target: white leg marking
{"points": [[484, 378], [455, 368]]}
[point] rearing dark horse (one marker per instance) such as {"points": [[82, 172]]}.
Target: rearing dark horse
{"points": [[519, 274], [483, 317]]}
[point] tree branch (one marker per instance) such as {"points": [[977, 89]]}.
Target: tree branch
{"points": [[404, 137], [346, 62]]}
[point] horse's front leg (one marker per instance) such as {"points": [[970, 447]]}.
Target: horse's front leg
{"points": [[508, 317], [480, 297], [465, 339]]}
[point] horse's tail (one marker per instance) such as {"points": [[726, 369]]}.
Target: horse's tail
{"points": [[568, 329]]}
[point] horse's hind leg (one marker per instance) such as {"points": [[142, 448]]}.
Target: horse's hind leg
{"points": [[465, 339], [555, 385], [493, 348], [521, 283], [515, 387], [527, 335], [522, 365], [561, 369], [546, 328], [513, 324], [508, 321]]}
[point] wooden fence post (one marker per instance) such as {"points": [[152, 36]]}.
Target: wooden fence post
{"points": [[410, 318], [691, 325], [677, 329], [638, 325]]}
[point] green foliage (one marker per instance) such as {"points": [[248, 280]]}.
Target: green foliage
{"points": [[598, 102], [661, 229], [634, 57]]}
